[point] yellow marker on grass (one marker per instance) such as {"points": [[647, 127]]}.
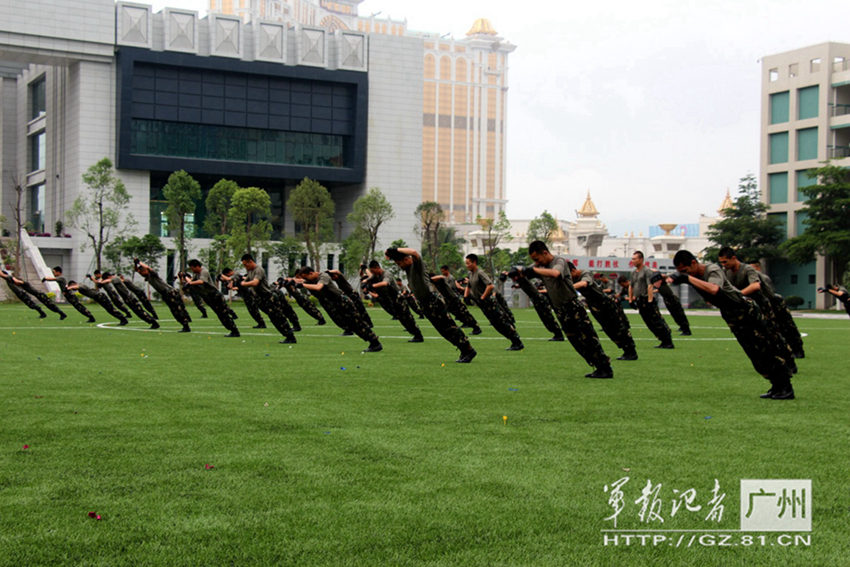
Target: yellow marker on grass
{"points": [[505, 419]]}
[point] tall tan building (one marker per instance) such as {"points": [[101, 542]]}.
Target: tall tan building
{"points": [[805, 121], [464, 114]]}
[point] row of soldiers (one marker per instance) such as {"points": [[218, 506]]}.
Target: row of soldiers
{"points": [[438, 295]]}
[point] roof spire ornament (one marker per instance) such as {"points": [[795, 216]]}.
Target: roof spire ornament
{"points": [[588, 209], [726, 204]]}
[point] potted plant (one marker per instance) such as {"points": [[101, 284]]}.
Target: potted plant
{"points": [[60, 229]]}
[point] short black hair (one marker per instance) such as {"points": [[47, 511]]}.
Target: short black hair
{"points": [[727, 252], [444, 267], [247, 258], [306, 270], [58, 269], [537, 247], [623, 279], [96, 272], [683, 258], [194, 263], [227, 271], [472, 257], [374, 264], [639, 253]]}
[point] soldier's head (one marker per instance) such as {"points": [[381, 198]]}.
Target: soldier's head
{"points": [[249, 262], [637, 259], [96, 273], [227, 272], [686, 263], [401, 260], [375, 268], [195, 266], [539, 252], [623, 281], [444, 269], [727, 258], [57, 271], [308, 274], [471, 261]]}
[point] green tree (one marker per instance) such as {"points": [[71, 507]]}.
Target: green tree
{"points": [[250, 210], [99, 212], [495, 231], [313, 209], [354, 250], [287, 252], [827, 221], [218, 203], [430, 216], [369, 213], [746, 226], [149, 249], [182, 193], [542, 228]]}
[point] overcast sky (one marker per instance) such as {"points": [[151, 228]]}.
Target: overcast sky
{"points": [[652, 106]]}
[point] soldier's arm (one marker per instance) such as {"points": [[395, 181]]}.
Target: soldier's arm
{"points": [[409, 252], [487, 291], [703, 285], [250, 283], [581, 284]]}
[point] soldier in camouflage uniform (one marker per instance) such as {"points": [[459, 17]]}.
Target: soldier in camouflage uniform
{"points": [[140, 295], [743, 318], [110, 292], [672, 303], [481, 290], [605, 311], [840, 293], [130, 299], [382, 285], [21, 294], [541, 304], [100, 297], [194, 295], [338, 305], [70, 296], [285, 306], [433, 306], [745, 278], [26, 287], [301, 299], [574, 321], [202, 284], [642, 295], [249, 298], [267, 301], [782, 314], [170, 296]]}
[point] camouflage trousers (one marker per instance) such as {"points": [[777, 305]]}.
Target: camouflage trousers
{"points": [[652, 318], [500, 299], [357, 303], [436, 312], [786, 324], [197, 300], [414, 305], [400, 310], [175, 304], [674, 307], [543, 307], [304, 303], [75, 303], [773, 329], [456, 307], [116, 300], [605, 311], [143, 299], [270, 305], [23, 296], [288, 311], [224, 313], [500, 319], [579, 331], [103, 300], [136, 307], [750, 329], [253, 306], [343, 313], [42, 297]]}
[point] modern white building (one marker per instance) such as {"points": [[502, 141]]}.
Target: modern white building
{"points": [[805, 121], [260, 102]]}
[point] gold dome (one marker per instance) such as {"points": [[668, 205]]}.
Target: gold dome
{"points": [[481, 26], [588, 209], [726, 204]]}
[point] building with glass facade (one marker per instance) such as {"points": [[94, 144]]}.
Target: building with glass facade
{"points": [[805, 121]]}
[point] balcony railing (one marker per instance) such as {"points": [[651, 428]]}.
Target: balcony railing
{"points": [[839, 109], [838, 152]]}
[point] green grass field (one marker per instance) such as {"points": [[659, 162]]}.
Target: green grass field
{"points": [[321, 455]]}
